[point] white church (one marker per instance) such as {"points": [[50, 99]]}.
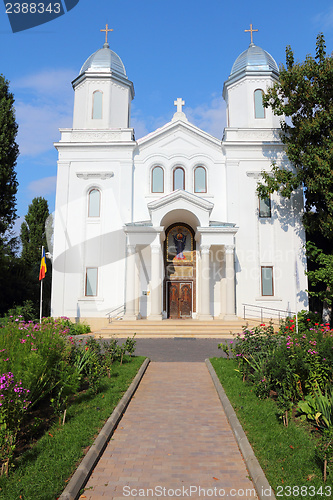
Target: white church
{"points": [[170, 225]]}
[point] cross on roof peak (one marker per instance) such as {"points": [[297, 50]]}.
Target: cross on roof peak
{"points": [[251, 30], [107, 30], [179, 103]]}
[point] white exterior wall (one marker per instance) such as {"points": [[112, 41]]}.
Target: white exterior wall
{"points": [[241, 111], [82, 241], [103, 154], [116, 102]]}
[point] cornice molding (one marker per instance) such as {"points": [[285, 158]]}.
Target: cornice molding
{"points": [[94, 175]]}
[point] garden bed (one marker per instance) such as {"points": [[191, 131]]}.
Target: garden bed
{"points": [[56, 394], [280, 385], [42, 472]]}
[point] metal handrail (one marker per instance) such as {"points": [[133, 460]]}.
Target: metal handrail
{"points": [[116, 313], [277, 313]]}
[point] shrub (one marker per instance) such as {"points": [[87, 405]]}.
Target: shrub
{"points": [[285, 364]]}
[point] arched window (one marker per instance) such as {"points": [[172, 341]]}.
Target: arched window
{"points": [[200, 180], [157, 180], [178, 178], [94, 202], [259, 110], [97, 105]]}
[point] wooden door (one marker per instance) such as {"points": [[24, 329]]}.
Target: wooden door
{"points": [[173, 300], [185, 300], [180, 300]]}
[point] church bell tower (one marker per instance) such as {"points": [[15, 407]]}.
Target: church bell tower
{"points": [[103, 92], [253, 72]]}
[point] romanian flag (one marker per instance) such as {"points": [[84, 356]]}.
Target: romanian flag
{"points": [[42, 270]]}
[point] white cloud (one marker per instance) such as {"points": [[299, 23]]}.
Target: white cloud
{"points": [[140, 127], [210, 117], [48, 82], [44, 102], [39, 124], [324, 19], [42, 187]]}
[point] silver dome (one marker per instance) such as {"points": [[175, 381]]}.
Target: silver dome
{"points": [[104, 59], [254, 59]]}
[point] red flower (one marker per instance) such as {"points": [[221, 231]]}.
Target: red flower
{"points": [[308, 319]]}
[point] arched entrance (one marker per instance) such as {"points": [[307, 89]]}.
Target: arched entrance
{"points": [[180, 271]]}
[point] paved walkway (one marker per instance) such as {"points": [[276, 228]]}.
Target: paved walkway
{"points": [[178, 348], [174, 435]]}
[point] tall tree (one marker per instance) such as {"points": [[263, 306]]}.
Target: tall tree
{"points": [[304, 94], [35, 232], [8, 156], [8, 188]]}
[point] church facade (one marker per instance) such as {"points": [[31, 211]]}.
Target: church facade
{"points": [[170, 225]]}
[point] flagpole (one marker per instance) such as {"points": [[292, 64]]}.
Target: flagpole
{"points": [[41, 295], [41, 301]]}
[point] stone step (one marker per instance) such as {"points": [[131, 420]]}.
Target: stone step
{"points": [[173, 328]]}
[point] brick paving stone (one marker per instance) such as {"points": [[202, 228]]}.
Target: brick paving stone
{"points": [[173, 435]]}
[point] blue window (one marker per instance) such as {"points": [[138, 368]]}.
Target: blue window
{"points": [[157, 180], [178, 178], [200, 181], [259, 110], [94, 202], [265, 207], [91, 281], [267, 281], [97, 105]]}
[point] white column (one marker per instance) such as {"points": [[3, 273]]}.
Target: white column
{"points": [[230, 282], [130, 284], [137, 285], [204, 313], [155, 283], [223, 289]]}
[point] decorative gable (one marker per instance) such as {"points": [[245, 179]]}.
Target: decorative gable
{"points": [[181, 201]]}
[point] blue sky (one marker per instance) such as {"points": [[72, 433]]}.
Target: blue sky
{"points": [[170, 49]]}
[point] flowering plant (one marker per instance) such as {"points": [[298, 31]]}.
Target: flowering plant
{"points": [[13, 403]]}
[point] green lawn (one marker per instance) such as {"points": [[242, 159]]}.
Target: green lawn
{"points": [[286, 454], [43, 471]]}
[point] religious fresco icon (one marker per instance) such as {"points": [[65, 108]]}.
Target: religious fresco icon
{"points": [[180, 242], [179, 245]]}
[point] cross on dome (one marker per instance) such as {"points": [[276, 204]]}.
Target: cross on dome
{"points": [[251, 30], [107, 30], [179, 103]]}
